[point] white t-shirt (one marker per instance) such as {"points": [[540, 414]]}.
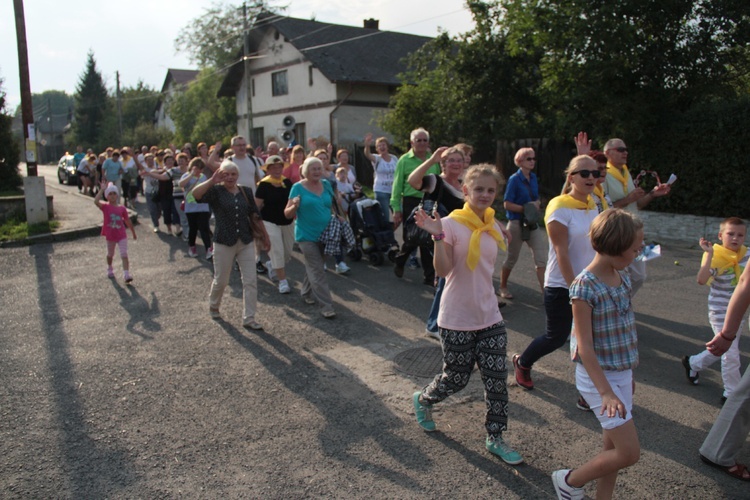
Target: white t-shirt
{"points": [[580, 251], [248, 166], [84, 167], [384, 173]]}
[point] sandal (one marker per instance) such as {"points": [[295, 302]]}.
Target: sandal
{"points": [[505, 294], [328, 314], [738, 471]]}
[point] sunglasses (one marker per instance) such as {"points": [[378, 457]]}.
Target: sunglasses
{"points": [[621, 150], [531, 159], [586, 173]]}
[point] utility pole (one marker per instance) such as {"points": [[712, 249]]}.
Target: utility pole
{"points": [[119, 107], [248, 83], [27, 109], [33, 185]]}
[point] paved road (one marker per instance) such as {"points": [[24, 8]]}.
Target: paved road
{"points": [[114, 391]]}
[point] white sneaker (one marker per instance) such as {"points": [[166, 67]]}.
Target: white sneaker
{"points": [[342, 268], [271, 272], [192, 252], [210, 253], [434, 335], [563, 489], [284, 286]]}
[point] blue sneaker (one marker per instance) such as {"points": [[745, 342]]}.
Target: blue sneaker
{"points": [[423, 413], [500, 448]]}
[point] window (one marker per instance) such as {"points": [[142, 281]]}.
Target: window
{"points": [[279, 85], [256, 138], [252, 86], [310, 76], [299, 134]]}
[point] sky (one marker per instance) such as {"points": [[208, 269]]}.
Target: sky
{"points": [[136, 37]]}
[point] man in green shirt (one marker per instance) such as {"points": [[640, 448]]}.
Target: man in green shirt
{"points": [[404, 198]]}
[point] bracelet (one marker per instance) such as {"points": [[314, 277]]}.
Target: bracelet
{"points": [[721, 334], [438, 237]]}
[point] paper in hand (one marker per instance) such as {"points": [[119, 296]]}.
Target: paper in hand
{"points": [[671, 180]]}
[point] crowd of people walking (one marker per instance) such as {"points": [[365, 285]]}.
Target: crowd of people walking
{"points": [[585, 243]]}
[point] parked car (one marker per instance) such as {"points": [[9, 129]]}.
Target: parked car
{"points": [[66, 170]]}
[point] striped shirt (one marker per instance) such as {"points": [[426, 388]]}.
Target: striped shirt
{"points": [[612, 321], [722, 286]]}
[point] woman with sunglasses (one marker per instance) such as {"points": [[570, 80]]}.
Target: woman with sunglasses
{"points": [[567, 218], [521, 192]]}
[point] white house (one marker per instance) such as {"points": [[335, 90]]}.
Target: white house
{"points": [[312, 79], [176, 80]]}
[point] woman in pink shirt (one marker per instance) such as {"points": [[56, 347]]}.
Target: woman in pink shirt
{"points": [[291, 171], [472, 330]]}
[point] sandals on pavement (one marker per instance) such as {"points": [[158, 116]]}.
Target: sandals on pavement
{"points": [[738, 471], [505, 294]]}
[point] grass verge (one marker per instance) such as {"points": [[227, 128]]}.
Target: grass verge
{"points": [[16, 228]]}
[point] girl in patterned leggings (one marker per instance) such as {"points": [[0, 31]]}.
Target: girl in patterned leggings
{"points": [[471, 327]]}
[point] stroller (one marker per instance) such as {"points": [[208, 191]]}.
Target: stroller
{"points": [[373, 235]]}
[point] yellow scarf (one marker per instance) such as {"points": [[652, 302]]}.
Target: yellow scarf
{"points": [[599, 193], [468, 218], [725, 259], [274, 182], [567, 201], [618, 174]]}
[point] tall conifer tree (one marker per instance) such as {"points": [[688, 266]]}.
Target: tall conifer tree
{"points": [[91, 106]]}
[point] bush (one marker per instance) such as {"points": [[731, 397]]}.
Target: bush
{"points": [[706, 147]]}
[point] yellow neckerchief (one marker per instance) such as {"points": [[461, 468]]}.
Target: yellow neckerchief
{"points": [[724, 259], [274, 182], [599, 193], [618, 174], [470, 219], [567, 201]]}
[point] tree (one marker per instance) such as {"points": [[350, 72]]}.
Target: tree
{"points": [[199, 115], [138, 104], [617, 67], [9, 150], [214, 38], [92, 106], [467, 88]]}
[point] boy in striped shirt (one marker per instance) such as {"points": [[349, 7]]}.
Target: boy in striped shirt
{"points": [[721, 268]]}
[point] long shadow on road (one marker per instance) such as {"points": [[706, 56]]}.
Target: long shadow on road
{"points": [[338, 404], [93, 471]]}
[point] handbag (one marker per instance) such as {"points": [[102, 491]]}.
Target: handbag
{"points": [[155, 196], [415, 235], [182, 205], [338, 236], [529, 220], [256, 223]]}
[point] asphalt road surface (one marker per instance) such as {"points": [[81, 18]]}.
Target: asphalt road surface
{"points": [[118, 391]]}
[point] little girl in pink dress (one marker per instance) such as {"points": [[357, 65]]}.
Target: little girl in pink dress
{"points": [[113, 229]]}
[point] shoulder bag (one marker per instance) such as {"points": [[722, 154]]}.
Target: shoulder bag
{"points": [[415, 235], [256, 223]]}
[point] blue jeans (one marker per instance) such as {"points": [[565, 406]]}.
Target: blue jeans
{"points": [[384, 199], [432, 318], [559, 321]]}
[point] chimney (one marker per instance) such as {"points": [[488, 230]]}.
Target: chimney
{"points": [[372, 24]]}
